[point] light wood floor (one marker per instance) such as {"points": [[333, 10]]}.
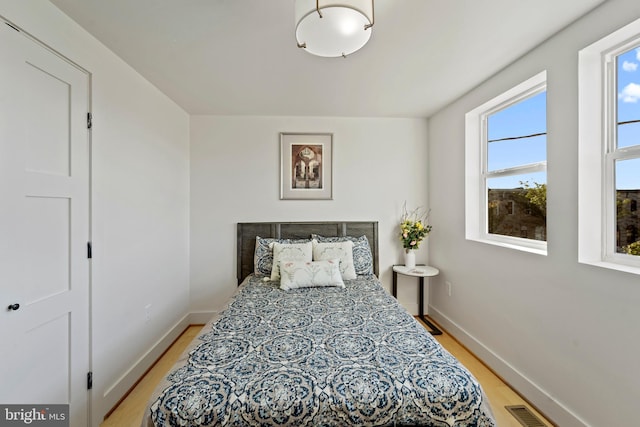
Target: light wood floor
{"points": [[129, 412]]}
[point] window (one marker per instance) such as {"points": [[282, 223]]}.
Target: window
{"points": [[609, 163], [506, 168], [510, 205]]}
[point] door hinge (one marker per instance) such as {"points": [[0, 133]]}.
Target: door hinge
{"points": [[89, 254], [89, 380], [89, 120]]}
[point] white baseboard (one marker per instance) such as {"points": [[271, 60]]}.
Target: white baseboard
{"points": [[122, 386], [545, 403], [200, 317]]}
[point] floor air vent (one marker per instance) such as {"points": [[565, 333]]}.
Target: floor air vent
{"points": [[525, 416]]}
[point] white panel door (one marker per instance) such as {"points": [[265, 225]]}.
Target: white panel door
{"points": [[44, 227]]}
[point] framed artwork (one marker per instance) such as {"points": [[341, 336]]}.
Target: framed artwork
{"points": [[306, 166]]}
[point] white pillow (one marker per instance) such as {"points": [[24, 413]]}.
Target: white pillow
{"points": [[301, 274], [289, 252], [341, 250]]}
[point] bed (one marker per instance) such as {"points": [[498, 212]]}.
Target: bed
{"points": [[315, 355]]}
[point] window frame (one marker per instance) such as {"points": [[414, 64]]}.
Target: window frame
{"points": [[598, 152], [476, 167]]}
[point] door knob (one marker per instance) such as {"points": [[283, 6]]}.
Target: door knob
{"points": [[13, 307]]}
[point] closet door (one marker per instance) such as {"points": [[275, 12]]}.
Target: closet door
{"points": [[44, 227]]}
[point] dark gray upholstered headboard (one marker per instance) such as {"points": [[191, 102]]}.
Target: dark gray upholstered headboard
{"points": [[247, 232]]}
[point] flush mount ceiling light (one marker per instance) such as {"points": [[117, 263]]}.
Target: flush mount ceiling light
{"points": [[333, 28]]}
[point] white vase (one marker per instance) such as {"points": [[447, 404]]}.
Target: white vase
{"points": [[409, 258]]}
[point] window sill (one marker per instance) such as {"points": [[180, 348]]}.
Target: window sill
{"points": [[533, 250], [625, 268]]}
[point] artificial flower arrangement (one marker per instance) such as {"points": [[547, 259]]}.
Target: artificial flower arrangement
{"points": [[413, 228]]}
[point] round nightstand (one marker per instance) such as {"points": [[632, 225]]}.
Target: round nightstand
{"points": [[420, 271]]}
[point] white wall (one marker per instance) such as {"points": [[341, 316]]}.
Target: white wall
{"points": [[563, 333], [235, 170], [140, 203]]}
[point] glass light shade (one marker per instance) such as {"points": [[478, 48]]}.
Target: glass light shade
{"points": [[341, 29]]}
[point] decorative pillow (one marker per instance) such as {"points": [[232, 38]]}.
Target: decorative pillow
{"points": [[340, 250], [301, 274], [362, 257], [263, 255], [289, 252]]}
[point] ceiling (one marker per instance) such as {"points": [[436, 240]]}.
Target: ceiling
{"points": [[239, 57]]}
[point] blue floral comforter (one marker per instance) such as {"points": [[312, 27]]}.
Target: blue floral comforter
{"points": [[317, 357]]}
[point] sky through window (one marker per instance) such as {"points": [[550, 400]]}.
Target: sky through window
{"points": [[628, 75]]}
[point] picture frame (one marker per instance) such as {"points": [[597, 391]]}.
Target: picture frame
{"points": [[306, 166]]}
